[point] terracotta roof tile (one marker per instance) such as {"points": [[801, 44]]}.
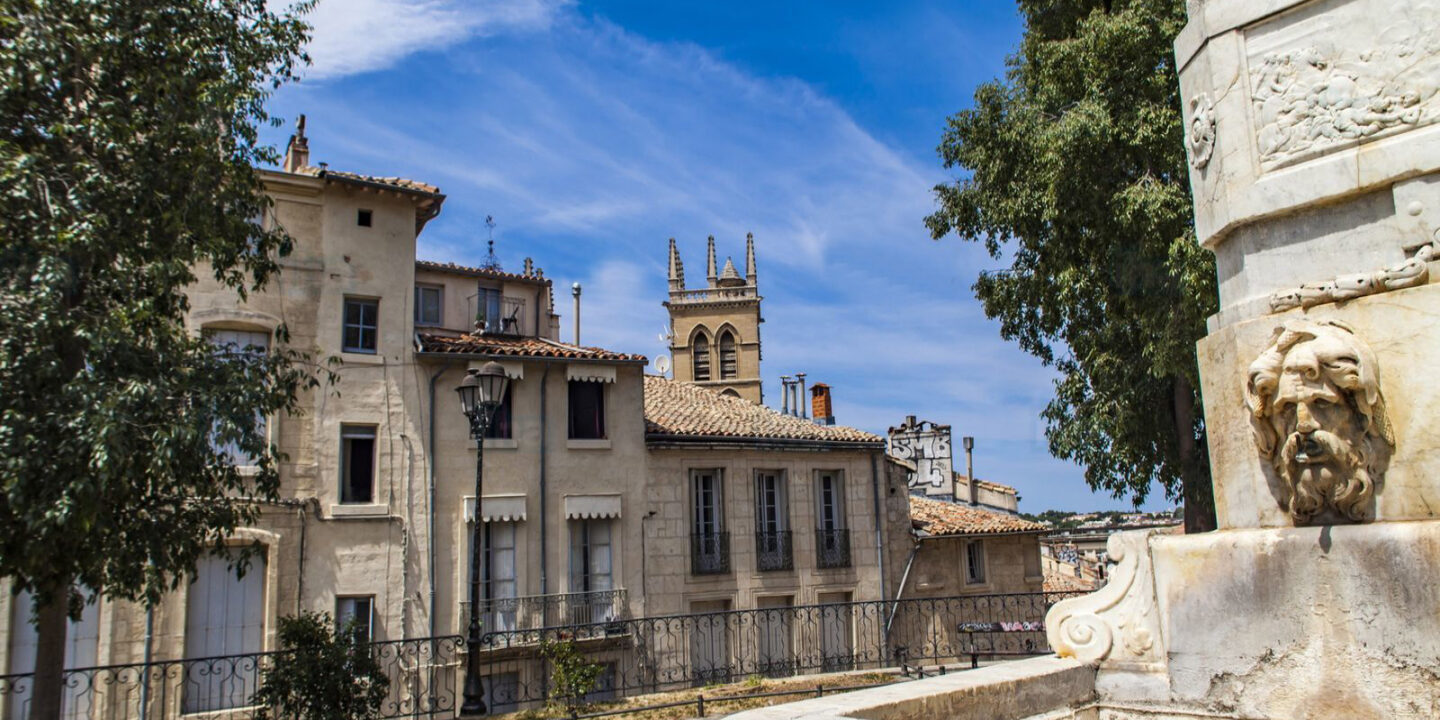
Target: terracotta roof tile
{"points": [[478, 271], [398, 183], [1062, 582], [678, 408], [517, 346], [937, 517]]}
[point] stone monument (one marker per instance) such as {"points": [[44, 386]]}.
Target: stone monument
{"points": [[1315, 163]]}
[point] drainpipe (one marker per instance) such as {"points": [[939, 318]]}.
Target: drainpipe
{"points": [[430, 471], [879, 534], [575, 290], [544, 514]]}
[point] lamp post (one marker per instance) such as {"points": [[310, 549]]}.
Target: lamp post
{"points": [[481, 392]]}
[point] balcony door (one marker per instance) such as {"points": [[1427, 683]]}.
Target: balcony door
{"points": [[772, 521], [498, 577], [591, 571]]}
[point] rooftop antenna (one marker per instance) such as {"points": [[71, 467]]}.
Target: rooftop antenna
{"points": [[491, 262]]}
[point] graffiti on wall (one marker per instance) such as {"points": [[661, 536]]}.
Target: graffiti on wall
{"points": [[926, 446]]}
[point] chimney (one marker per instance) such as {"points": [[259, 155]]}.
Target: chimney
{"points": [[800, 397], [529, 267], [297, 151], [785, 394], [969, 443], [575, 290], [820, 404]]}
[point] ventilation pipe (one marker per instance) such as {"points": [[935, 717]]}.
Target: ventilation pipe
{"points": [[969, 443], [575, 290], [785, 394]]}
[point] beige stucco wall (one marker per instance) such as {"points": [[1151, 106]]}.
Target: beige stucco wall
{"points": [[670, 585]]}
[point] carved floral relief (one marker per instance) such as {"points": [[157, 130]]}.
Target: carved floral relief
{"points": [[1201, 134], [1326, 90], [1317, 415]]}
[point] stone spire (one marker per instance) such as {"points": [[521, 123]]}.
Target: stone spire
{"points": [[710, 261], [749, 258], [677, 269], [297, 151]]}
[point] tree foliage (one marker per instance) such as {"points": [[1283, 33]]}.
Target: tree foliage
{"points": [[128, 134], [1077, 175], [320, 674], [572, 676]]}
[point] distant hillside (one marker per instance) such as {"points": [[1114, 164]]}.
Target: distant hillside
{"points": [[1067, 520]]}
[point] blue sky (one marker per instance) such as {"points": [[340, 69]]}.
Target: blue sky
{"points": [[595, 131]]}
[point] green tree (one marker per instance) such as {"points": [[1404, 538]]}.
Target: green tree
{"points": [[572, 677], [128, 134], [1077, 175], [320, 674]]}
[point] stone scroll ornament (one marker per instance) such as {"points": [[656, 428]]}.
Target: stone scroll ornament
{"points": [[1317, 415], [1117, 624]]}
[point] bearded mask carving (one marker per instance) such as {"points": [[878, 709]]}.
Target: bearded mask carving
{"points": [[1318, 417]]}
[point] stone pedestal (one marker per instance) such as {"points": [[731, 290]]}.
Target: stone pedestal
{"points": [[1313, 131]]}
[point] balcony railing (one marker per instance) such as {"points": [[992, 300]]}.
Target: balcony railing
{"points": [[510, 320], [832, 548], [774, 550], [710, 553], [503, 615]]}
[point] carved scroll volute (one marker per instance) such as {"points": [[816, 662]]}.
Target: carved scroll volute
{"points": [[1117, 623]]}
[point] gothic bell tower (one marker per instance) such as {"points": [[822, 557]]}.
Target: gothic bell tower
{"points": [[716, 329]]}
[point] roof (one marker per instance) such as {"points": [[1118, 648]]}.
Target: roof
{"points": [[516, 346], [397, 183], [681, 409], [1062, 582], [454, 269], [937, 517], [987, 484]]}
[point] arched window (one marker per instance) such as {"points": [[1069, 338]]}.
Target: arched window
{"points": [[700, 357], [729, 363], [730, 392]]}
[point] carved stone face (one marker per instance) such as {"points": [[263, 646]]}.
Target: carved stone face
{"points": [[1318, 417]]}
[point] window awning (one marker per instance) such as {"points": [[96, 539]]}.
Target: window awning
{"points": [[496, 508], [587, 507], [590, 373], [514, 369]]}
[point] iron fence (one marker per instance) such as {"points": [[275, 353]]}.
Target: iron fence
{"points": [[636, 656], [538, 611], [710, 553], [832, 548], [774, 550]]}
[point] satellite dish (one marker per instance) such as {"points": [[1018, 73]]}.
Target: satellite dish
{"points": [[662, 364]]}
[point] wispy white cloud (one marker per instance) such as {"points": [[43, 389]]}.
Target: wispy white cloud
{"points": [[592, 145], [356, 36]]}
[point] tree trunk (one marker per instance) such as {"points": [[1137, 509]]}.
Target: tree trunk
{"points": [[51, 624], [1195, 487]]}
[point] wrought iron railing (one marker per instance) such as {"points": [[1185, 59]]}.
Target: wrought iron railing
{"points": [[538, 611], [421, 673], [774, 550], [832, 548], [637, 656], [710, 553]]}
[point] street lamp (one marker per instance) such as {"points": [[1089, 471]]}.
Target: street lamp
{"points": [[481, 392]]}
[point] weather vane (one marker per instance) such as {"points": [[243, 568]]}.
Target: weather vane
{"points": [[491, 262]]}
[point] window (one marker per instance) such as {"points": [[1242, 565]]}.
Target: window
{"points": [[773, 549], [710, 642], [500, 422], [363, 218], [359, 609], [587, 410], [224, 615], [832, 540], [709, 545], [729, 364], [974, 562], [776, 646], [591, 570], [487, 314], [497, 580], [700, 357], [82, 650], [231, 343], [357, 463], [361, 321], [428, 302]]}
